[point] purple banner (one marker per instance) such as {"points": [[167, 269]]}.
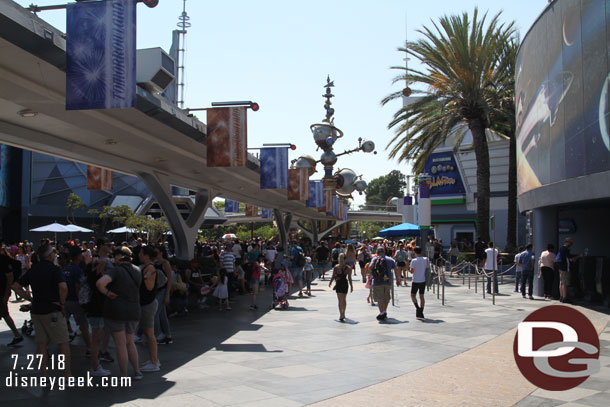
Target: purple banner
{"points": [[274, 168]]}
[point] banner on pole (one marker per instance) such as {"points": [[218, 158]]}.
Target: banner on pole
{"points": [[328, 201], [274, 168], [101, 55], [316, 195], [298, 184], [335, 206], [227, 141], [345, 211], [231, 206], [99, 179], [266, 213], [251, 210]]}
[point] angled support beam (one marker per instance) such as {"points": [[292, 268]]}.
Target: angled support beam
{"points": [[283, 221], [338, 223], [184, 232]]}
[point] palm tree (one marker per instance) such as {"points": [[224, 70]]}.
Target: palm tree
{"points": [[459, 56], [503, 117]]}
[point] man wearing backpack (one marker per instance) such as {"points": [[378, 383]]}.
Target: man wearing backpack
{"points": [[297, 257], [382, 267]]}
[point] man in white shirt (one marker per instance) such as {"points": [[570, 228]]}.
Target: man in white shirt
{"points": [[237, 252], [418, 267], [491, 267]]}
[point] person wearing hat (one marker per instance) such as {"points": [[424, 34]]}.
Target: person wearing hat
{"points": [[564, 262], [49, 292], [308, 274], [381, 267], [74, 277], [121, 286]]}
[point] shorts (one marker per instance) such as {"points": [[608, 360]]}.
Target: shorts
{"points": [[113, 325], [381, 293], [421, 287], [564, 277], [50, 328], [401, 264], [74, 308], [255, 281], [3, 309], [147, 315], [322, 264], [350, 262], [96, 322], [297, 274]]}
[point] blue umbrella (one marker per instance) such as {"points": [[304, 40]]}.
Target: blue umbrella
{"points": [[404, 229]]}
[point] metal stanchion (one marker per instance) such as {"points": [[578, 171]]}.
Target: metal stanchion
{"points": [[494, 281], [443, 296], [476, 283], [483, 285]]}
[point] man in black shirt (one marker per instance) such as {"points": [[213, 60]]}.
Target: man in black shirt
{"points": [[6, 281], [323, 257], [479, 250], [49, 292]]}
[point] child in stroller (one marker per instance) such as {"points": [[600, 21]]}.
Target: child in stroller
{"points": [[280, 291]]}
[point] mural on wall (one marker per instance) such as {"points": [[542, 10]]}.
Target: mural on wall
{"points": [[562, 96]]}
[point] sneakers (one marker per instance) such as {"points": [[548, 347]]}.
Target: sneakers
{"points": [[148, 362], [515, 291], [138, 376], [531, 297], [105, 357], [166, 340], [419, 313], [382, 316], [100, 371], [15, 341], [137, 339], [150, 367]]}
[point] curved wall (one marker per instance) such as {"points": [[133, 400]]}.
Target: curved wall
{"points": [[563, 105]]}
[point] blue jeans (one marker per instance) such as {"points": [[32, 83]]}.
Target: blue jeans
{"points": [[161, 321], [518, 277], [491, 274], [527, 278]]}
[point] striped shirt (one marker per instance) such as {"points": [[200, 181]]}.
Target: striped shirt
{"points": [[227, 259]]}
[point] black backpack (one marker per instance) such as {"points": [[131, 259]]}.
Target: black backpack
{"points": [[380, 269], [300, 258], [336, 254]]}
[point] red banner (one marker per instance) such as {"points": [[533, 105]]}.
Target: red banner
{"points": [[251, 210], [99, 179], [298, 184], [227, 141]]}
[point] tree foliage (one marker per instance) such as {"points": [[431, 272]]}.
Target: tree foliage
{"points": [[384, 187], [459, 55], [73, 204]]}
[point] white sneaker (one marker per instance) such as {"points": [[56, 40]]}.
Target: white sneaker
{"points": [[100, 371], [150, 367], [137, 339], [148, 362]]}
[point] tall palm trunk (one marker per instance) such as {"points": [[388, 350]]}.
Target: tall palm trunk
{"points": [[481, 153], [511, 230]]}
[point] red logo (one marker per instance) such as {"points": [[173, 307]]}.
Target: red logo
{"points": [[556, 348]]}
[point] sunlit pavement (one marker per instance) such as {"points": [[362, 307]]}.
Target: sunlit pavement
{"points": [[305, 355]]}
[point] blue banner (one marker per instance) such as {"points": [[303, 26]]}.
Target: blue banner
{"points": [[266, 213], [446, 179], [231, 206], [274, 168], [345, 210], [316, 195], [335, 206], [101, 55]]}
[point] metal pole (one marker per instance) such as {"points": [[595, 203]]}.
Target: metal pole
{"points": [[483, 286], [443, 302], [476, 283]]}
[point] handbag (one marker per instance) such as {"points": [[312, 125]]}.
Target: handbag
{"points": [[161, 279]]}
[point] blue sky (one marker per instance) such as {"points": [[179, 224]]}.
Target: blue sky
{"points": [[278, 53]]}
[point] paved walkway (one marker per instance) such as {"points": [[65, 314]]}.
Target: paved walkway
{"points": [[304, 355]]}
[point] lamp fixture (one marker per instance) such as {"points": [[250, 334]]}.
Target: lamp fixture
{"points": [[27, 113]]}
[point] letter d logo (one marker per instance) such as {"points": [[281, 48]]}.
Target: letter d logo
{"points": [[526, 339]]}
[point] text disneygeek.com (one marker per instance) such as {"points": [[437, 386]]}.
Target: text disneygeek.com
{"points": [[61, 383]]}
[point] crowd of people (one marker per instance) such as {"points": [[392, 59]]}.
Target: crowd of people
{"points": [[127, 292]]}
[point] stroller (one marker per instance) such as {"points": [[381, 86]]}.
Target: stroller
{"points": [[28, 327], [280, 292]]}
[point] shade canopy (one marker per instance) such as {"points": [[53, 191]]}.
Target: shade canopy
{"points": [[123, 229], [53, 228], [229, 236], [404, 229], [76, 228]]}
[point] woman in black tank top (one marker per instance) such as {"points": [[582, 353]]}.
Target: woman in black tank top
{"points": [[343, 277], [148, 303]]}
